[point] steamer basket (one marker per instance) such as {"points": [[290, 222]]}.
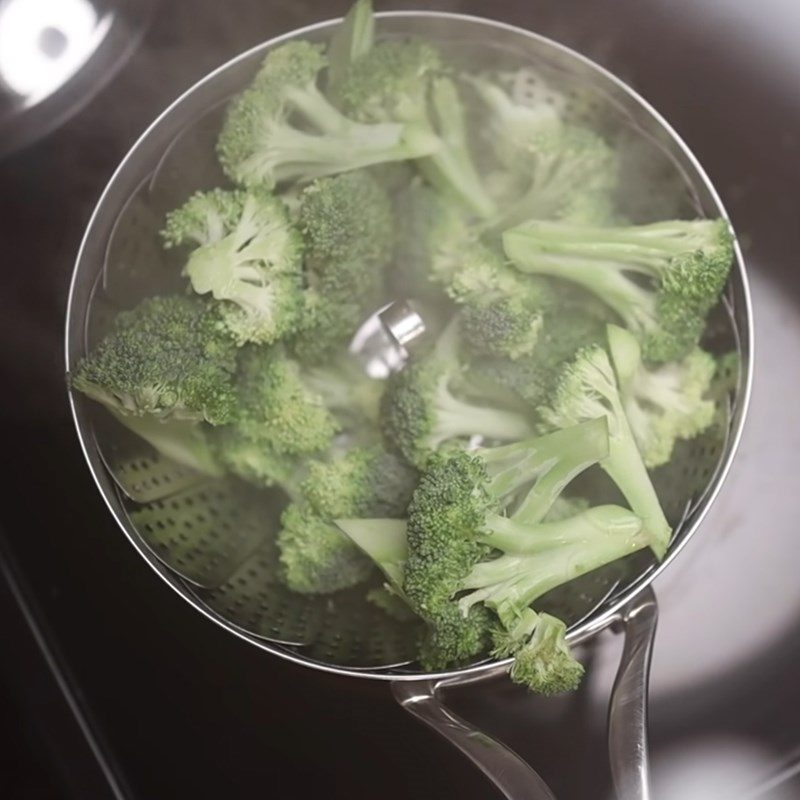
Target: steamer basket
{"points": [[206, 538]]}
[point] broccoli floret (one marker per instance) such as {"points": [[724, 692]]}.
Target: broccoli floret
{"points": [[502, 310], [256, 462], [364, 482], [351, 40], [565, 171], [543, 662], [461, 496], [260, 145], [396, 82], [422, 410], [348, 230], [513, 126], [168, 358], [573, 174], [563, 332], [327, 326], [317, 558], [432, 240], [346, 390], [587, 389], [687, 263], [276, 409], [456, 528], [665, 403], [246, 255]]}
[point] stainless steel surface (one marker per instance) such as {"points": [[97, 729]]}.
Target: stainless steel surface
{"points": [[510, 774], [55, 55], [403, 322], [379, 344], [627, 711], [177, 127]]}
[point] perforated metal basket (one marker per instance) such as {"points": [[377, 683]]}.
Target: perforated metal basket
{"points": [[211, 539]]}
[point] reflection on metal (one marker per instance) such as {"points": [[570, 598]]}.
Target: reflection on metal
{"points": [[380, 342], [43, 43]]}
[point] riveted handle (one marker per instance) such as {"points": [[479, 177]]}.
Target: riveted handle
{"points": [[627, 711], [513, 776]]}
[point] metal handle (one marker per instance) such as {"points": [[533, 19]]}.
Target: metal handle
{"points": [[627, 711], [515, 778]]}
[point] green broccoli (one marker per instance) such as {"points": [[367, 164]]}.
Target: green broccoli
{"points": [[256, 462], [562, 333], [457, 525], [396, 82], [662, 404], [275, 407], [433, 238], [513, 127], [502, 310], [569, 171], [687, 263], [348, 230], [245, 254], [458, 491], [422, 410], [317, 558], [260, 144], [587, 389], [363, 482], [384, 541], [351, 40], [166, 358], [543, 662]]}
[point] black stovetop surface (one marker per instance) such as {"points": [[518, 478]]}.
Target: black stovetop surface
{"points": [[172, 705]]}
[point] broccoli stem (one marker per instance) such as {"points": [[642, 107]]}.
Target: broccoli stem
{"points": [[511, 536], [456, 418], [605, 279], [180, 440], [351, 40], [451, 169], [643, 248], [510, 583], [308, 156], [625, 467], [384, 541], [552, 461], [319, 111]]}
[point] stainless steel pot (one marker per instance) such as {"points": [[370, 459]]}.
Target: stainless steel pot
{"points": [[119, 261]]}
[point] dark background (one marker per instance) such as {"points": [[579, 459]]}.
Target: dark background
{"points": [[178, 707]]}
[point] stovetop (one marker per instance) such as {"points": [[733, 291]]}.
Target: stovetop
{"points": [[115, 687]]}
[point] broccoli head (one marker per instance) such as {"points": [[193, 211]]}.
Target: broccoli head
{"points": [[542, 658], [347, 227], [245, 254], [664, 403], [317, 558], [363, 482], [169, 358], [685, 262], [348, 230], [261, 145], [398, 82], [422, 410], [276, 409], [587, 389]]}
